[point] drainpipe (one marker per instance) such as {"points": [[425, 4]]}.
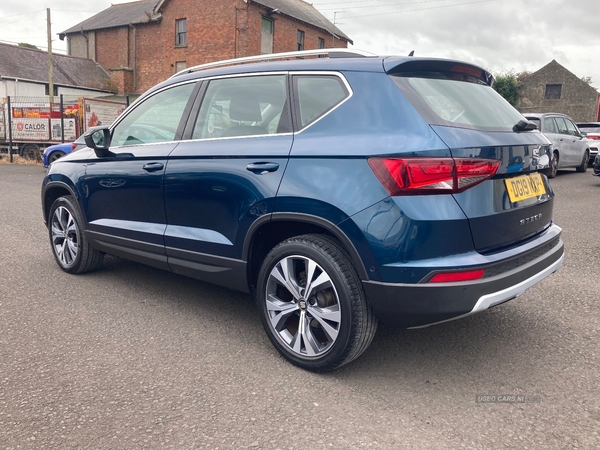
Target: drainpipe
{"points": [[134, 57]]}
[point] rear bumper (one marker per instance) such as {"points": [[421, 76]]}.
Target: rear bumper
{"points": [[420, 305]]}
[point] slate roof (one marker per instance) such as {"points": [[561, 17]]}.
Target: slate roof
{"points": [[145, 11], [119, 15], [304, 12], [28, 64]]}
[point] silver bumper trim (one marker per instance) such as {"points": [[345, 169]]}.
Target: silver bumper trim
{"points": [[495, 298]]}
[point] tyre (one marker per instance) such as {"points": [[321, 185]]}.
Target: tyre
{"points": [[553, 170], [584, 163], [70, 246], [31, 152], [312, 305], [54, 156]]}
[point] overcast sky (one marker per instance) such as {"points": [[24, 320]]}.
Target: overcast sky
{"points": [[500, 35]]}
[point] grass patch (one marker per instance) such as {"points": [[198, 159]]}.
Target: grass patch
{"points": [[4, 159]]}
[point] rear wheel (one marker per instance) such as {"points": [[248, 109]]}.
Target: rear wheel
{"points": [[70, 245], [584, 163], [553, 170], [31, 152], [312, 305]]}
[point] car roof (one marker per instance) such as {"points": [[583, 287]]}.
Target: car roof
{"points": [[352, 62], [540, 115]]}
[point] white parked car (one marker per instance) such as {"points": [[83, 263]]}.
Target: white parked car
{"points": [[569, 147], [592, 134]]}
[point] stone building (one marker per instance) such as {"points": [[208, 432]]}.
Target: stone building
{"points": [[144, 42], [553, 88]]}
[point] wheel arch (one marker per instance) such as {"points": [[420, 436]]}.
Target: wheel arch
{"points": [[53, 191], [269, 231]]}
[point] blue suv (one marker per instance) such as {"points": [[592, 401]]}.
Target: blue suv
{"points": [[339, 191]]}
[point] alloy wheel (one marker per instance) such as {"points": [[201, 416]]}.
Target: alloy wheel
{"points": [[303, 306], [65, 236]]}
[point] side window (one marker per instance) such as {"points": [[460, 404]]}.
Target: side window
{"points": [[154, 120], [572, 128], [244, 106], [316, 95], [562, 126], [549, 125]]}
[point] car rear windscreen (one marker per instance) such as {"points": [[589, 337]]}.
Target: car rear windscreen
{"points": [[445, 98]]}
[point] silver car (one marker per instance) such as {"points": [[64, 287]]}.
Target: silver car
{"points": [[569, 146]]}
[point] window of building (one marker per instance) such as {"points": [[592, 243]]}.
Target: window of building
{"points": [[321, 43], [181, 32], [266, 37], [180, 65], [553, 91], [300, 39], [317, 95]]}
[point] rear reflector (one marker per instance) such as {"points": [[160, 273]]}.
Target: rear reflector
{"points": [[409, 176], [451, 277]]}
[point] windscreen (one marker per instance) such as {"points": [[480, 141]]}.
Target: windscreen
{"points": [[445, 98]]}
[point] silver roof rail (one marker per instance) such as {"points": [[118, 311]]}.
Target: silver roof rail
{"points": [[331, 52]]}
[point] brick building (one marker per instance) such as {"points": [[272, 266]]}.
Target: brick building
{"points": [[144, 42], [553, 88]]}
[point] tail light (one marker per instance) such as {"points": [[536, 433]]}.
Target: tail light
{"points": [[409, 176], [453, 277], [594, 137], [73, 145]]}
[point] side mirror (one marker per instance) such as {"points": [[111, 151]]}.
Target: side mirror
{"points": [[583, 133], [99, 140]]}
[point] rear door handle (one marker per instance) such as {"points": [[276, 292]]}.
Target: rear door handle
{"points": [[153, 167], [262, 168]]}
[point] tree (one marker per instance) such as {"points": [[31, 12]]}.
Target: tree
{"points": [[587, 80], [26, 45], [506, 85]]}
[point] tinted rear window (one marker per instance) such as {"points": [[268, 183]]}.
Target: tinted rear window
{"points": [[465, 102]]}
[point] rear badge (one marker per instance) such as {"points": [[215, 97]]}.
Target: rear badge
{"points": [[530, 219]]}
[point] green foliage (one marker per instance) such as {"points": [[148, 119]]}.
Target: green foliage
{"points": [[26, 45], [506, 85], [587, 80]]}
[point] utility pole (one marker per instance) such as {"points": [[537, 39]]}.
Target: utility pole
{"points": [[50, 80]]}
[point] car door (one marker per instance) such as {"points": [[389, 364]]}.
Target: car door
{"points": [[552, 133], [124, 197], [576, 141], [567, 143], [225, 177]]}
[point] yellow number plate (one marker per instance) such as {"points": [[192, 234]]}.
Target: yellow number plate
{"points": [[525, 186]]}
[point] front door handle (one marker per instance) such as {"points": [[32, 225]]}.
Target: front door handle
{"points": [[262, 167], [153, 167]]}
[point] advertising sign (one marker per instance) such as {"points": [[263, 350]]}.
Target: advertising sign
{"points": [[100, 112]]}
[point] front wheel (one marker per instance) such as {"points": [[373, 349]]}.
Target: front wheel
{"points": [[312, 305], [584, 163], [54, 156], [70, 245]]}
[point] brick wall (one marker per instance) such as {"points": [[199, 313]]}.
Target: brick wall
{"points": [[577, 100], [215, 31]]}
